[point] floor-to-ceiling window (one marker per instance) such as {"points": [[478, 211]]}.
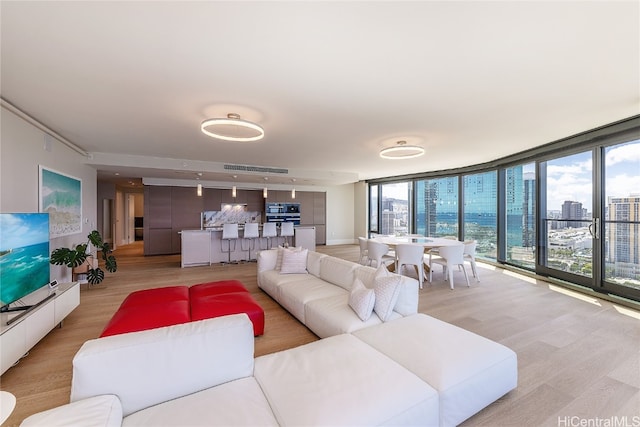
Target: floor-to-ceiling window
{"points": [[390, 208], [437, 207], [480, 193], [567, 214], [622, 215], [520, 219], [569, 210], [373, 209]]}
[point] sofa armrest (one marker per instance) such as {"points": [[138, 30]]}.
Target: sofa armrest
{"points": [[153, 366], [98, 411]]}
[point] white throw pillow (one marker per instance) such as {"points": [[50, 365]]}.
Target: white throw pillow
{"points": [[281, 251], [362, 300], [387, 289], [294, 262]]}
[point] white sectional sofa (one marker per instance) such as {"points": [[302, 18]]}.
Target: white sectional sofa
{"points": [[204, 374], [410, 369], [319, 296]]}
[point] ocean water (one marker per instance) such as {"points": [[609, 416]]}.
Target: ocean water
{"points": [[23, 271]]}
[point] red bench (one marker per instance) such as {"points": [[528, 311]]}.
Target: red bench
{"points": [[158, 307]]}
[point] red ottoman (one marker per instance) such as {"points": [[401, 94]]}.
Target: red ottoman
{"points": [[158, 307], [209, 306], [216, 288], [150, 308]]}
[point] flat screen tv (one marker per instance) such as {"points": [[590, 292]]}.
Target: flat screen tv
{"points": [[24, 255]]}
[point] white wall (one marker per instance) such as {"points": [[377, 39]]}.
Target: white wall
{"points": [[361, 210], [22, 150], [340, 212]]}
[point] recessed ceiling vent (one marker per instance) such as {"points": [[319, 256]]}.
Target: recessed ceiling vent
{"points": [[260, 169]]}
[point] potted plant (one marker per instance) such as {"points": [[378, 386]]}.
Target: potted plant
{"points": [[73, 257]]}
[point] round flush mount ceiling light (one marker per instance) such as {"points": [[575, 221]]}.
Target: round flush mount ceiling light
{"points": [[401, 151], [232, 128]]}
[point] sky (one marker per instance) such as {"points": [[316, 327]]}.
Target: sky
{"points": [[570, 178]]}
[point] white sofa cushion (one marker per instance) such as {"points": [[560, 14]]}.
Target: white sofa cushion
{"points": [[280, 254], [469, 371], [407, 302], [186, 358], [362, 299], [313, 262], [333, 316], [337, 271], [386, 289], [236, 403], [342, 381], [294, 295], [294, 262], [98, 411]]}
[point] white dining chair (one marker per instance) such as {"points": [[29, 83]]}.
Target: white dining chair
{"points": [[410, 255], [364, 252], [377, 253], [434, 251], [470, 256], [450, 257]]}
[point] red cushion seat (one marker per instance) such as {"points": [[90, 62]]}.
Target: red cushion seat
{"points": [[159, 307], [156, 295], [216, 288], [210, 306], [142, 317]]}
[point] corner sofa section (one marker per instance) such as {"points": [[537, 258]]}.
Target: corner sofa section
{"points": [[319, 297], [204, 373]]}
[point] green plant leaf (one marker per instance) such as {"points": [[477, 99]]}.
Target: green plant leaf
{"points": [[110, 264], [95, 276], [96, 239]]}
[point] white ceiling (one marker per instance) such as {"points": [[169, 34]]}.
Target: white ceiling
{"points": [[332, 83]]}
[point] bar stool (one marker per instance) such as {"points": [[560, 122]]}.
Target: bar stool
{"points": [[286, 231], [229, 233], [269, 231], [250, 233]]}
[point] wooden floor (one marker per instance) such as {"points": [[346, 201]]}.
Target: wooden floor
{"points": [[578, 357]]}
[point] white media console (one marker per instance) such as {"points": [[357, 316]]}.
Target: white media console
{"points": [[18, 337]]}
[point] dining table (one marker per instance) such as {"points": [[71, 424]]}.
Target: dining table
{"points": [[427, 243]]}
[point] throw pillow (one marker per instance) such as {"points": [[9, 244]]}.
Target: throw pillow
{"points": [[281, 251], [294, 262], [362, 300], [386, 289]]}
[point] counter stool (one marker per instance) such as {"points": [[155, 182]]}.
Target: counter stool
{"points": [[269, 231], [229, 233], [250, 233], [286, 231]]}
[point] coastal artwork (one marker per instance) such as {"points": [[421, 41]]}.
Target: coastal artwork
{"points": [[61, 198]]}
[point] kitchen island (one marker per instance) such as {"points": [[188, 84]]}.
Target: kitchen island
{"points": [[204, 247]]}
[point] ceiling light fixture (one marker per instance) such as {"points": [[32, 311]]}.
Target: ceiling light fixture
{"points": [[265, 192], [233, 189], [232, 128], [401, 151], [199, 186], [293, 189]]}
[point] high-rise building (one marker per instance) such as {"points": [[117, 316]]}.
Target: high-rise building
{"points": [[572, 210], [623, 237]]}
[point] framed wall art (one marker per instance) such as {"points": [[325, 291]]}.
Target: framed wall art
{"points": [[60, 195]]}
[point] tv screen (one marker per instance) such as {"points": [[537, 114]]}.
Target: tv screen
{"points": [[24, 254]]}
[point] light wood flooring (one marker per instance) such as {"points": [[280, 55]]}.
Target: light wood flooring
{"points": [[578, 356]]}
